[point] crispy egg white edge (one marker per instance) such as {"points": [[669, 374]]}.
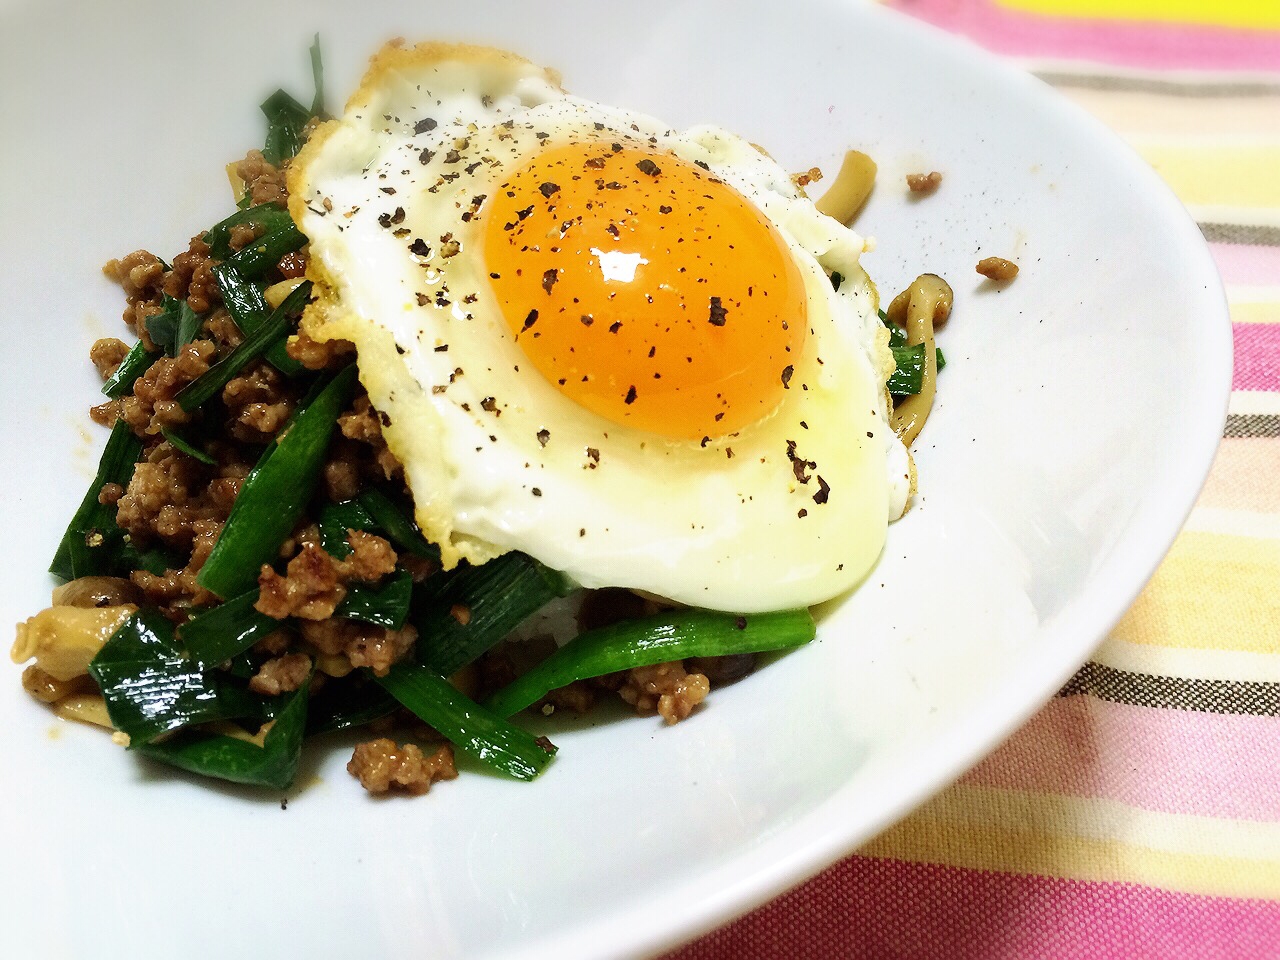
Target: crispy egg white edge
{"points": [[414, 433]]}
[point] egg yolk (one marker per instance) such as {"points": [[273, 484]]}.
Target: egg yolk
{"points": [[644, 288]]}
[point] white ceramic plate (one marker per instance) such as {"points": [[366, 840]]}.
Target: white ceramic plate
{"points": [[1077, 419]]}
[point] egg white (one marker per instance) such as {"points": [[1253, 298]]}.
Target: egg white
{"points": [[496, 457]]}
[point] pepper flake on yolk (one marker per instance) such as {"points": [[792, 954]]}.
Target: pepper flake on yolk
{"points": [[644, 288]]}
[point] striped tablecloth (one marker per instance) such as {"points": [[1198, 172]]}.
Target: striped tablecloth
{"points": [[1138, 814]]}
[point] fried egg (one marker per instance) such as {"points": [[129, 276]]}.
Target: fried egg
{"points": [[620, 348]]}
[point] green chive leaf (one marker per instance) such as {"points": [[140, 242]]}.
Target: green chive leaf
{"points": [[184, 446], [248, 308], [908, 373], [152, 687], [395, 523], [386, 604], [276, 491], [672, 635], [265, 252], [466, 724], [220, 374], [317, 78], [162, 327], [92, 537], [222, 632], [274, 764], [136, 362], [267, 217], [285, 119], [908, 376], [128, 558], [497, 596], [347, 702], [336, 520]]}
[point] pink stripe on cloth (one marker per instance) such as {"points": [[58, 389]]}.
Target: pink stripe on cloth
{"points": [[1246, 264], [869, 909], [1144, 45], [1257, 364], [1172, 761]]}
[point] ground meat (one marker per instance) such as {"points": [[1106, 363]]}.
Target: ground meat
{"points": [[314, 582], [107, 355], [139, 273], [174, 498], [293, 265], [224, 488], [371, 557], [381, 648], [364, 424], [135, 317], [263, 182], [361, 422], [192, 278], [997, 268], [223, 330], [106, 414], [924, 182], [318, 354], [243, 234], [665, 688], [387, 465], [163, 499], [331, 637], [350, 465], [258, 402], [380, 765], [152, 406], [341, 477], [176, 591], [802, 180], [163, 590], [204, 535], [181, 503], [281, 674], [275, 643], [311, 587], [363, 644], [302, 535]]}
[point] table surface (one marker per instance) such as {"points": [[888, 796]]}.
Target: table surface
{"points": [[1138, 814]]}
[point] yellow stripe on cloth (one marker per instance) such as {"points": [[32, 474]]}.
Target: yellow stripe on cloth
{"points": [[1247, 14], [1260, 312], [1082, 838], [1137, 113], [1213, 592], [1234, 665], [1237, 175], [1237, 523]]}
